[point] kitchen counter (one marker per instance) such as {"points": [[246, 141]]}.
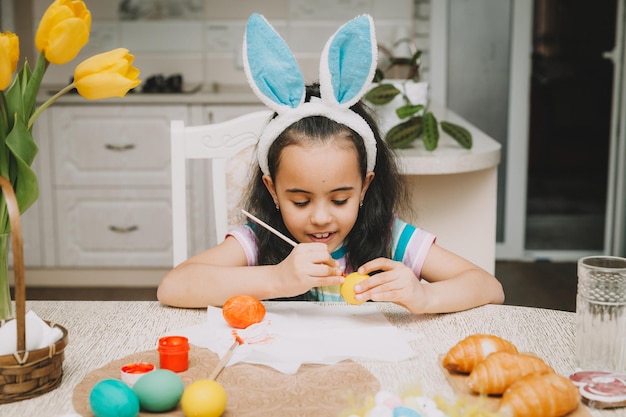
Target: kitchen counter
{"points": [[450, 157]]}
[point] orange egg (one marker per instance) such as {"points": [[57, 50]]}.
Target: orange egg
{"points": [[241, 311], [347, 288]]}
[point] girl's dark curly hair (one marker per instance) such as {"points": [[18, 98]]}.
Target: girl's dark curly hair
{"points": [[386, 195]]}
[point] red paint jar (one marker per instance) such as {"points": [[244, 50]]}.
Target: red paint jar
{"points": [[174, 353]]}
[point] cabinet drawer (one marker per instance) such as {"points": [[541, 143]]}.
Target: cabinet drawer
{"points": [[112, 228], [113, 145]]}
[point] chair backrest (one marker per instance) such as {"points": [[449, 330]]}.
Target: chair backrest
{"points": [[216, 142]]}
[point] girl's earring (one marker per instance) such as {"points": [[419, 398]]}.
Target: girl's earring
{"points": [[277, 207], [361, 204]]}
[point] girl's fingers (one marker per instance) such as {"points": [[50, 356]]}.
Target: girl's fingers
{"points": [[320, 255], [324, 270], [321, 264], [378, 264], [317, 253], [329, 281]]}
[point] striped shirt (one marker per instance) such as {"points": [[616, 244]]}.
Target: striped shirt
{"points": [[409, 245]]}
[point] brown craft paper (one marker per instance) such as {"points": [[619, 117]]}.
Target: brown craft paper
{"points": [[256, 390], [458, 382]]}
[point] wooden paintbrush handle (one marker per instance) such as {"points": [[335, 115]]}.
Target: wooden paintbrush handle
{"points": [[270, 228], [224, 361]]}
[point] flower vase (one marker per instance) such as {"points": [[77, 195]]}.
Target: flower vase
{"points": [[6, 306]]}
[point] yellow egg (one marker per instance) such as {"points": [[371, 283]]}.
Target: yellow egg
{"points": [[347, 288], [204, 398]]}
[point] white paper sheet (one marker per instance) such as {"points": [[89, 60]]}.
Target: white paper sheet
{"points": [[295, 333]]}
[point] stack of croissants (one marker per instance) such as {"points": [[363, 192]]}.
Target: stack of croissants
{"points": [[527, 385]]}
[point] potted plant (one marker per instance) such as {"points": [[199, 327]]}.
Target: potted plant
{"points": [[403, 106]]}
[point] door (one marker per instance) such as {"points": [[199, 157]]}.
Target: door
{"points": [[571, 176], [562, 175]]}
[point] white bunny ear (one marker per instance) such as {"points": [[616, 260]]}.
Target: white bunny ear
{"points": [[348, 62], [347, 68], [271, 68]]}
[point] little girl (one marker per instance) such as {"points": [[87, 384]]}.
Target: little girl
{"points": [[326, 179]]}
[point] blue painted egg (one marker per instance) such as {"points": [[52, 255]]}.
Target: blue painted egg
{"points": [[113, 398], [403, 411]]}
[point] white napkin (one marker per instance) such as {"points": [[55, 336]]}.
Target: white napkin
{"points": [[295, 333], [38, 334]]}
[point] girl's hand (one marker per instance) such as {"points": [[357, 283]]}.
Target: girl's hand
{"points": [[308, 265], [449, 283], [396, 283]]}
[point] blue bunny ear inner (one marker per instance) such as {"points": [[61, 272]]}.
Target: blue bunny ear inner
{"points": [[348, 62], [271, 68]]}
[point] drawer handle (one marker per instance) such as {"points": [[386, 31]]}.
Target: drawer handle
{"points": [[120, 148], [128, 229]]}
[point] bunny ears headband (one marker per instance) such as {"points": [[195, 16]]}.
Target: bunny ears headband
{"points": [[347, 67]]}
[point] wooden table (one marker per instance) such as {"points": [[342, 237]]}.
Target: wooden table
{"points": [[104, 331]]}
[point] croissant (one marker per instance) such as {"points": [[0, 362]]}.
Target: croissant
{"points": [[540, 395], [463, 356], [500, 369]]}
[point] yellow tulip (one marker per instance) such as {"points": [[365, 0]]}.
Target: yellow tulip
{"points": [[109, 74], [9, 55], [63, 31]]}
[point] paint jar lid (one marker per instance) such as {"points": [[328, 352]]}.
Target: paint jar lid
{"points": [[173, 344]]}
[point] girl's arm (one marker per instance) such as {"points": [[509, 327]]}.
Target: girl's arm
{"points": [[456, 284], [453, 284], [215, 275]]}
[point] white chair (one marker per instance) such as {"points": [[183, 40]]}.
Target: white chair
{"points": [[216, 142]]}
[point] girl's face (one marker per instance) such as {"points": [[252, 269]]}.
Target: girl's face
{"points": [[318, 188]]}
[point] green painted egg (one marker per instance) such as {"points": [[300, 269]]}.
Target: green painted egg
{"points": [[159, 390]]}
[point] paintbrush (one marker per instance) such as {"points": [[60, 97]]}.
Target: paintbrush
{"points": [[226, 358], [270, 228]]}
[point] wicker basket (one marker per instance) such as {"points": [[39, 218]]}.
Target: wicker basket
{"points": [[26, 374]]}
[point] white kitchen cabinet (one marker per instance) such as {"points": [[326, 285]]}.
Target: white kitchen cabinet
{"points": [[110, 184], [123, 227], [116, 146], [104, 172]]}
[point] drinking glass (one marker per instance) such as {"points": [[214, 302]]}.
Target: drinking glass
{"points": [[601, 314]]}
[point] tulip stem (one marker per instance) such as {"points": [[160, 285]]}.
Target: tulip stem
{"points": [[48, 103]]}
